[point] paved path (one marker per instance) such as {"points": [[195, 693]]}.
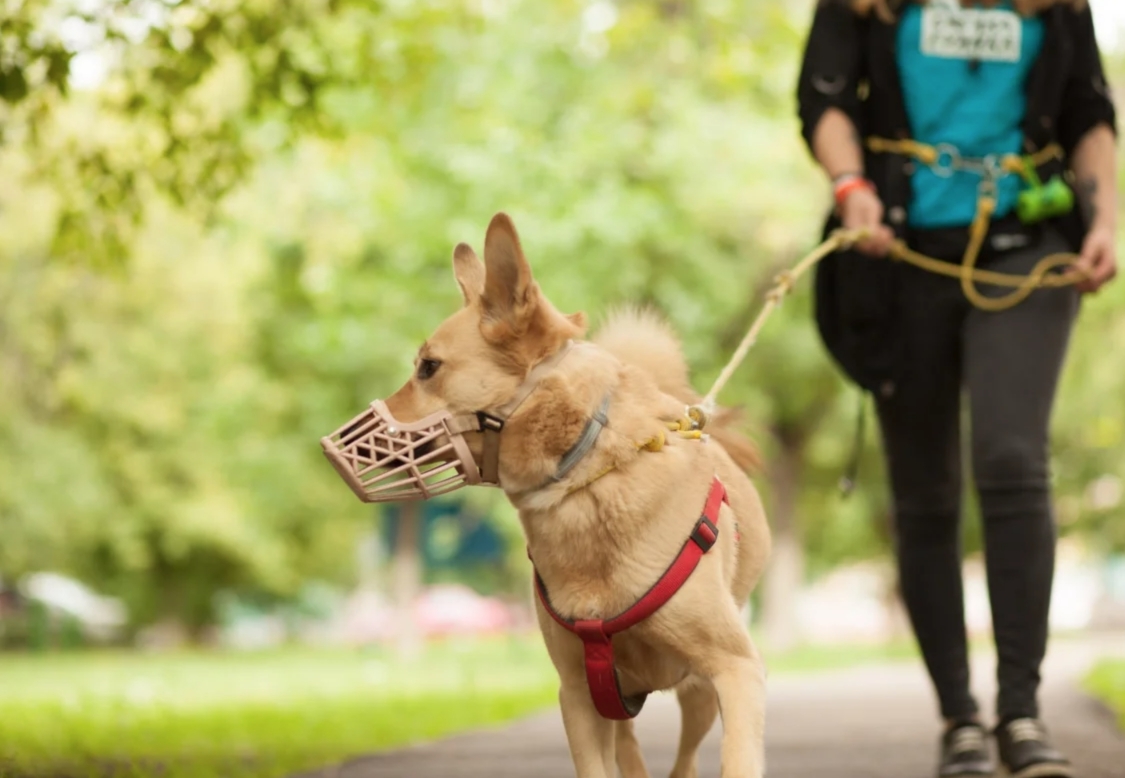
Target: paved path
{"points": [[874, 722]]}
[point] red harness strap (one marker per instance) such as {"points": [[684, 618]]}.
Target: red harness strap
{"points": [[597, 634]]}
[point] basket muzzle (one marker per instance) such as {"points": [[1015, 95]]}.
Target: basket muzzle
{"points": [[383, 459]]}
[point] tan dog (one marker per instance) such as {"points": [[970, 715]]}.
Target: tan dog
{"points": [[604, 533]]}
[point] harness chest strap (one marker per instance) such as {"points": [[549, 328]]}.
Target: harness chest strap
{"points": [[597, 634]]}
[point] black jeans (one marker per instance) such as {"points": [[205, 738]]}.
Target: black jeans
{"points": [[1007, 366]]}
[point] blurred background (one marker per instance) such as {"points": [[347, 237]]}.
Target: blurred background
{"points": [[225, 227]]}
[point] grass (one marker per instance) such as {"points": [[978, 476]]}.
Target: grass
{"points": [[263, 714], [817, 658], [1107, 682], [254, 714]]}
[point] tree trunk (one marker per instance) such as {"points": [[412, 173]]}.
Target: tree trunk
{"points": [[407, 578], [786, 572]]}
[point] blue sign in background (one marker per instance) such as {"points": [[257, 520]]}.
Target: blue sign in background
{"points": [[449, 537]]}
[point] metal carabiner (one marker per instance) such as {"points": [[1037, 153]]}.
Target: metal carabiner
{"points": [[946, 151], [993, 167]]}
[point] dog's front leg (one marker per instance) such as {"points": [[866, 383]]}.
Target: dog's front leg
{"points": [[630, 760], [591, 738], [740, 683], [699, 706]]}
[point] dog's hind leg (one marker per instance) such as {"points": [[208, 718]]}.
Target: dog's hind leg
{"points": [[741, 686], [699, 705], [591, 737], [629, 758]]}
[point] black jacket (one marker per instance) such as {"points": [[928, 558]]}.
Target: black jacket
{"points": [[849, 63]]}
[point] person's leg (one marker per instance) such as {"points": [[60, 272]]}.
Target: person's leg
{"points": [[920, 425], [1012, 364]]}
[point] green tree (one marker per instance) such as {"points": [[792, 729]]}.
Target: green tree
{"points": [[223, 247]]}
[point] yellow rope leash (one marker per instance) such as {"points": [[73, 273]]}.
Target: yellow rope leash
{"points": [[946, 158], [1040, 277], [839, 239]]}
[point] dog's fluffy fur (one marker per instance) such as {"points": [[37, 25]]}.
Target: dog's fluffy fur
{"points": [[600, 541], [640, 337]]}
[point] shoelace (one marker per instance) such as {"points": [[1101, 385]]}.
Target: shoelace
{"points": [[1024, 729], [967, 739]]}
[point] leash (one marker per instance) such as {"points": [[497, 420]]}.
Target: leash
{"points": [[1040, 277], [783, 285], [1036, 202]]}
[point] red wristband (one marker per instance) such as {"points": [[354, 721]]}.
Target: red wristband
{"points": [[847, 185]]}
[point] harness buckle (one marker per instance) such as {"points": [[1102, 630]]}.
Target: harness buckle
{"points": [[489, 423], [705, 534]]}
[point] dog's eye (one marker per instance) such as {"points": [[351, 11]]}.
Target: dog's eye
{"points": [[427, 368]]}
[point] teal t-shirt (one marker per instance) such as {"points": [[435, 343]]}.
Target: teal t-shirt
{"points": [[963, 73]]}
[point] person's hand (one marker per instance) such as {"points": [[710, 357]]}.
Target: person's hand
{"points": [[862, 209], [1098, 259]]}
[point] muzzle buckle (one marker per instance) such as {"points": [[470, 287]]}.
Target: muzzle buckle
{"points": [[490, 423]]}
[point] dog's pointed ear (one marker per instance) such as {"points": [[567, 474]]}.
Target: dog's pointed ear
{"points": [[469, 272], [509, 290]]}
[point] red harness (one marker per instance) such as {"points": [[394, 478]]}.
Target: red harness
{"points": [[596, 634]]}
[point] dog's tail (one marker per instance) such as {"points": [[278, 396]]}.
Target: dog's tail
{"points": [[642, 338]]}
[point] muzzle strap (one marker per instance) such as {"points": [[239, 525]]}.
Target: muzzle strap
{"points": [[491, 424]]}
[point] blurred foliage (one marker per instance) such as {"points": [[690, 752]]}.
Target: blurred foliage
{"points": [[225, 225], [1107, 682]]}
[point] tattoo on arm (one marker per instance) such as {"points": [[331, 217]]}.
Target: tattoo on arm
{"points": [[1087, 188]]}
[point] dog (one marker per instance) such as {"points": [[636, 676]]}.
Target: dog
{"points": [[609, 483]]}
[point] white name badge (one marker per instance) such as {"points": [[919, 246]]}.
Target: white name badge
{"points": [[983, 34]]}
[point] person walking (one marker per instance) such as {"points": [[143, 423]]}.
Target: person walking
{"points": [[979, 134]]}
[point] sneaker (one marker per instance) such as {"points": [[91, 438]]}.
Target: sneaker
{"points": [[1026, 752], [964, 752]]}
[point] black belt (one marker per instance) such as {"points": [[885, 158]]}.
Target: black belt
{"points": [[1007, 233]]}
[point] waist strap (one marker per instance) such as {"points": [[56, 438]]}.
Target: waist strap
{"points": [[945, 158]]}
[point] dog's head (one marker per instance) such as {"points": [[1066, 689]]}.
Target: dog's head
{"points": [[428, 437], [478, 358]]}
